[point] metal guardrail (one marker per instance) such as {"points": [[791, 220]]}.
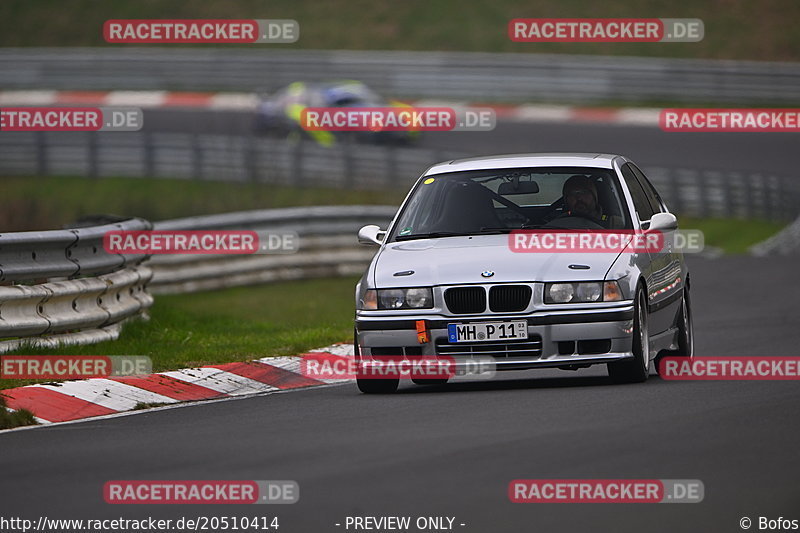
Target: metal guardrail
{"points": [[214, 157], [727, 194], [492, 77], [80, 310], [327, 247], [33, 255], [785, 242], [88, 296], [278, 161], [61, 287]]}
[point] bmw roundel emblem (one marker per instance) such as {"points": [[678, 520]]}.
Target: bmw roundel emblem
{"points": [[487, 273]]}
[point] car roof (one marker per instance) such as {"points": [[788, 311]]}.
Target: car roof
{"points": [[556, 159]]}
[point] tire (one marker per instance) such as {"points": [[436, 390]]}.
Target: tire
{"points": [[372, 386], [637, 369], [422, 381], [685, 332], [377, 386]]}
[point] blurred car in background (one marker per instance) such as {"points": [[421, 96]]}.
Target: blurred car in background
{"points": [[279, 114]]}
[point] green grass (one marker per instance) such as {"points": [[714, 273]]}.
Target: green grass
{"points": [[734, 236], [37, 203], [148, 405], [8, 419], [239, 324], [734, 29]]}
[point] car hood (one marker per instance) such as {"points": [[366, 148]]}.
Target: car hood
{"points": [[460, 260]]}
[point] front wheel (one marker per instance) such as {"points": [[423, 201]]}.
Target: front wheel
{"points": [[371, 386], [637, 369], [685, 333]]}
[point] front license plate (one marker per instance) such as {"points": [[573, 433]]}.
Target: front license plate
{"points": [[488, 331]]}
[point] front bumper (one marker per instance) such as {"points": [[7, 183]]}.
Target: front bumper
{"points": [[565, 339]]}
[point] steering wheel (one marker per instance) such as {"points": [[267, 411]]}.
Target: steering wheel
{"points": [[511, 205], [552, 210]]}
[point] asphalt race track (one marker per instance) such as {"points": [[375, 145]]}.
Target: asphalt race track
{"points": [[648, 146], [452, 450]]}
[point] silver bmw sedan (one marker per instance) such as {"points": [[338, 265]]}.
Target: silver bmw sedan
{"points": [[560, 260]]}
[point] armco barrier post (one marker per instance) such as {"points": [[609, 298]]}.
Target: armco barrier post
{"points": [[297, 162], [197, 157], [41, 153], [92, 162], [149, 154]]}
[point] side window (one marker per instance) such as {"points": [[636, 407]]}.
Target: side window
{"points": [[640, 203], [649, 191]]}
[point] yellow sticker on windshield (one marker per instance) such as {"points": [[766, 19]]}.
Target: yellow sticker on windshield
{"points": [[428, 181]]}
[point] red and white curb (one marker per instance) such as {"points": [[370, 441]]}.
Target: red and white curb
{"points": [[559, 113], [75, 400], [249, 102]]}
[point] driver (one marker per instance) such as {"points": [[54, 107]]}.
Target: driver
{"points": [[581, 208]]}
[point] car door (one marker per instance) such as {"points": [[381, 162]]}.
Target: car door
{"points": [[667, 277], [652, 264]]}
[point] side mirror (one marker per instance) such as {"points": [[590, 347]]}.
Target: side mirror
{"points": [[663, 222], [371, 234]]}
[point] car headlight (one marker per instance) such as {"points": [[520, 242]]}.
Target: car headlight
{"points": [[559, 292], [419, 298], [589, 292], [413, 298], [391, 299], [582, 292]]}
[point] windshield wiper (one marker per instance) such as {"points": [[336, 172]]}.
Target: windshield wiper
{"points": [[431, 235], [437, 234], [489, 230]]}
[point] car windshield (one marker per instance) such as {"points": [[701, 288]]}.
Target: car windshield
{"points": [[503, 200], [351, 95]]}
